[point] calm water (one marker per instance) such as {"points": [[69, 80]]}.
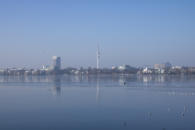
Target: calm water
{"points": [[97, 103]]}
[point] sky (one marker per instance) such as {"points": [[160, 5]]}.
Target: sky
{"points": [[137, 32]]}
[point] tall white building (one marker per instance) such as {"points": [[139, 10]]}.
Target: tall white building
{"points": [[56, 63]]}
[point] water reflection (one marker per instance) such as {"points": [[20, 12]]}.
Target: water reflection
{"points": [[56, 89], [98, 81], [97, 91], [102, 78], [104, 102]]}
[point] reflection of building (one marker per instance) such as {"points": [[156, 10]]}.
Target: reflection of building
{"points": [[122, 81], [57, 86], [56, 63], [147, 79]]}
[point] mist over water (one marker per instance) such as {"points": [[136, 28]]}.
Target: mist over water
{"points": [[97, 102]]}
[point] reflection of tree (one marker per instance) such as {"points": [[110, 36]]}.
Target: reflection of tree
{"points": [[56, 85]]}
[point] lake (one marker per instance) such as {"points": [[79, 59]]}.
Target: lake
{"points": [[133, 102]]}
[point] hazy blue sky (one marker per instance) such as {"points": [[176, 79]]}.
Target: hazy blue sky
{"points": [[129, 32]]}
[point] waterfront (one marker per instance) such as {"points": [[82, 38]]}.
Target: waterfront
{"points": [[157, 102]]}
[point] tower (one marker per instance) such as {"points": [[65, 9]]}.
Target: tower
{"points": [[98, 57]]}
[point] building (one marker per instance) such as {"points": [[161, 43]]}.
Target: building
{"points": [[147, 71], [163, 66], [125, 67], [56, 63]]}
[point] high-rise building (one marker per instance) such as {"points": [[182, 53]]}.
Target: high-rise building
{"points": [[163, 66], [56, 63]]}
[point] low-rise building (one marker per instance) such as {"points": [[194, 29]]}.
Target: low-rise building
{"points": [[147, 71]]}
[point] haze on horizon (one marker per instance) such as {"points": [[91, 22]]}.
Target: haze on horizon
{"points": [[128, 32]]}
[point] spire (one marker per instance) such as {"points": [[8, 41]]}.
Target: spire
{"points": [[98, 56]]}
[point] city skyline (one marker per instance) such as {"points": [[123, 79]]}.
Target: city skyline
{"points": [[137, 33], [56, 64]]}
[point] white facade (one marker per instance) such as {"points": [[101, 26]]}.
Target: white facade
{"points": [[147, 71], [56, 63]]}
